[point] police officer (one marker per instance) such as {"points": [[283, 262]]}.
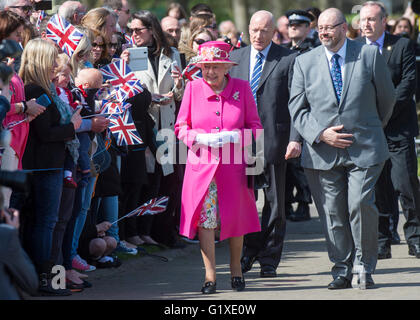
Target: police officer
{"points": [[299, 29]]}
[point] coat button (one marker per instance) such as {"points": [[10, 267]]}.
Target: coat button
{"points": [[217, 98], [217, 128], [217, 113]]}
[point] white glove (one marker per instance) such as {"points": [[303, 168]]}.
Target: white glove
{"points": [[217, 140], [207, 139], [229, 136]]}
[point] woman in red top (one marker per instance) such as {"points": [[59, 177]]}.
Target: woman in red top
{"points": [[11, 27]]}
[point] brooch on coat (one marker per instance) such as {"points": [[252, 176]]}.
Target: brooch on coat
{"points": [[236, 96]]}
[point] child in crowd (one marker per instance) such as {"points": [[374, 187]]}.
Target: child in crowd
{"points": [[61, 82], [88, 81]]}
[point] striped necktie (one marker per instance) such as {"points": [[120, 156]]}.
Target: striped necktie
{"points": [[256, 75], [336, 76]]}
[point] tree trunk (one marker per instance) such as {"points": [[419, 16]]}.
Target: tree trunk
{"points": [[241, 18]]}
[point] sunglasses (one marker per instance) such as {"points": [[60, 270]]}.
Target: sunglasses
{"points": [[200, 41], [211, 26], [23, 8], [96, 45], [114, 45], [138, 30]]}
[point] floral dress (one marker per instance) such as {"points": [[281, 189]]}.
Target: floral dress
{"points": [[209, 215]]}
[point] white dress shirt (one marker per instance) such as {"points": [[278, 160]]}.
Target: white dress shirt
{"points": [[253, 58]]}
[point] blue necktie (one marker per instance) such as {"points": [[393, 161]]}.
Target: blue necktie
{"points": [[336, 76], [374, 43], [256, 75]]}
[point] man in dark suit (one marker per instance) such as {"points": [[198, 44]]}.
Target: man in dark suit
{"points": [[267, 67], [400, 171]]}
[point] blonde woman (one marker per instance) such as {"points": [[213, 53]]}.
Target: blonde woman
{"points": [[44, 154], [198, 37], [101, 21], [79, 59]]}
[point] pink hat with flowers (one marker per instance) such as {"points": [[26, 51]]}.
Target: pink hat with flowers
{"points": [[214, 52]]}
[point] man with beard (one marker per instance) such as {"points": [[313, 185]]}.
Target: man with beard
{"points": [[341, 98]]}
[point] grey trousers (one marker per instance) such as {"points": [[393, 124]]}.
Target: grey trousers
{"points": [[345, 199]]}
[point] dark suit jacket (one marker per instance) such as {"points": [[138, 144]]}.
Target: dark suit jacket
{"points": [[399, 54], [272, 97], [16, 269], [45, 148]]}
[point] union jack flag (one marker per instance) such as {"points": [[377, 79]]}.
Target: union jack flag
{"points": [[151, 207], [118, 73], [111, 107], [192, 72], [64, 34], [128, 39], [129, 89], [123, 129], [238, 44], [42, 14]]}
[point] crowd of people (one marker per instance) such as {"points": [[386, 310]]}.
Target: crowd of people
{"points": [[81, 181]]}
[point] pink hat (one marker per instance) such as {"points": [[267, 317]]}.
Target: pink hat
{"points": [[214, 52]]}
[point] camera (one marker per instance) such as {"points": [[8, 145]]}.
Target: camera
{"points": [[43, 5]]}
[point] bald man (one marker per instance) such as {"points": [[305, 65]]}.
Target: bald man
{"points": [[171, 26], [267, 66], [341, 97]]}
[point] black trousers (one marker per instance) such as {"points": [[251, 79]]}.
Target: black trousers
{"points": [[267, 245], [399, 174], [296, 178]]}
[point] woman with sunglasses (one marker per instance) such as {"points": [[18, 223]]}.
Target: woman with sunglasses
{"points": [[164, 81], [197, 38]]}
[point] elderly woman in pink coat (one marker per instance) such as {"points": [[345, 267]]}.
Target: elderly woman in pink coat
{"points": [[216, 119]]}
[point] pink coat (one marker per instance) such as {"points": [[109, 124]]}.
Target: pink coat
{"points": [[202, 111]]}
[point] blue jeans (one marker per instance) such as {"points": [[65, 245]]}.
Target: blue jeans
{"points": [[107, 209], [47, 195], [86, 196]]}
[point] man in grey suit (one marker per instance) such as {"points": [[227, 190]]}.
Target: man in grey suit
{"points": [[341, 98]]}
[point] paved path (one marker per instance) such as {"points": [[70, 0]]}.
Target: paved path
{"points": [[303, 274]]}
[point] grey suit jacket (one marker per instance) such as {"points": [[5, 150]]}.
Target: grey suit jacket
{"points": [[365, 107]]}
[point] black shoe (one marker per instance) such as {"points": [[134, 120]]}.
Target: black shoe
{"points": [[238, 283], [301, 213], [395, 238], [414, 250], [46, 289], [246, 263], [268, 272], [209, 288], [384, 252], [339, 283], [369, 281]]}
